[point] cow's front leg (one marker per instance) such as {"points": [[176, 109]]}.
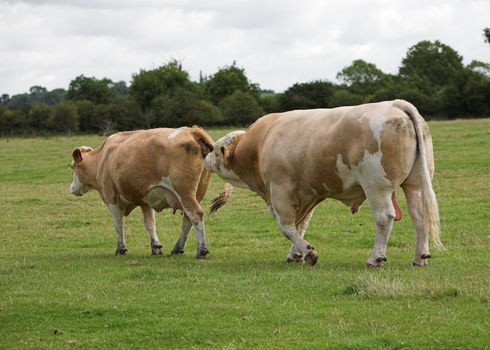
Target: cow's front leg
{"points": [[117, 217], [180, 244], [384, 215], [149, 221], [294, 254]]}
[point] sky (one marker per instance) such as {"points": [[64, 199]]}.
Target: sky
{"points": [[277, 42]]}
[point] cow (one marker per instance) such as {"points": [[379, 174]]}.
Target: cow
{"points": [[151, 169], [295, 160]]}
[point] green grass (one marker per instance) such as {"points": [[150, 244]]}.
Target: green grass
{"points": [[61, 286]]}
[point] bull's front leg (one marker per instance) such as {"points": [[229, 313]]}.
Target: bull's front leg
{"points": [[294, 255], [285, 213], [149, 221], [117, 217]]}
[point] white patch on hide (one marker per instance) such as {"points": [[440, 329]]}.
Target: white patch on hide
{"points": [[175, 133], [369, 172]]}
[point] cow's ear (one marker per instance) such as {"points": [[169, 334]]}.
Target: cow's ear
{"points": [[77, 155]]}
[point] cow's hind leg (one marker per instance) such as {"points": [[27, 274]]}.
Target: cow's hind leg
{"points": [[414, 202], [149, 221], [117, 217], [195, 214], [180, 244], [384, 215], [294, 254]]}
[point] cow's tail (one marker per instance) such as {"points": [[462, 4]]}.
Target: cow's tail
{"points": [[221, 199], [203, 139], [429, 201]]}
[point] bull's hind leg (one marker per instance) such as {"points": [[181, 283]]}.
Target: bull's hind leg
{"points": [[294, 254], [180, 244], [117, 217], [414, 202], [149, 221], [384, 215]]}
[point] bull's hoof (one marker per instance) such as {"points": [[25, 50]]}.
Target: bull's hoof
{"points": [[311, 258], [202, 254], [177, 251], [121, 251], [156, 249], [295, 258]]}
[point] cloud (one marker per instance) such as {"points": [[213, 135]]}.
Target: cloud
{"points": [[50, 42]]}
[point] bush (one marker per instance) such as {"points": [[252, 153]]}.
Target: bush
{"points": [[240, 109]]}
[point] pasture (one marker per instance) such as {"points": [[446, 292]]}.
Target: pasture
{"points": [[61, 286]]}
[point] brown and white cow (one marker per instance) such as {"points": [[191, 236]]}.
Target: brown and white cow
{"points": [[297, 159], [153, 169]]}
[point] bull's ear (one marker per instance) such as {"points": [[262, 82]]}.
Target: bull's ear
{"points": [[228, 154], [77, 155]]}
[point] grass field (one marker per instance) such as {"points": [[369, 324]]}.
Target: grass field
{"points": [[61, 285]]}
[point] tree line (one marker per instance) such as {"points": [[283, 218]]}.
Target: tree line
{"points": [[432, 76]]}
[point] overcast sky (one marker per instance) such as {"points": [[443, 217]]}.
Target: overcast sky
{"points": [[277, 42]]}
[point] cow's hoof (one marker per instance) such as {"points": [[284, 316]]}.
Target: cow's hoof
{"points": [[156, 249], [121, 251], [311, 258], [422, 261], [202, 254], [378, 262], [295, 258], [177, 251]]}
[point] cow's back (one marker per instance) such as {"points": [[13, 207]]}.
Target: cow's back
{"points": [[131, 162]]}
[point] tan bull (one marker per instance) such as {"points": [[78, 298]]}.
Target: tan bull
{"points": [[153, 169], [295, 160]]}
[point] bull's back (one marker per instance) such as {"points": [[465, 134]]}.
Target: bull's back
{"points": [[310, 145]]}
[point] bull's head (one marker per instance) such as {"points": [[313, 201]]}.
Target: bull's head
{"points": [[220, 160], [80, 183]]}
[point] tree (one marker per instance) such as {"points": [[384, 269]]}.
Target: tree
{"points": [[361, 77], [164, 80], [486, 35], [344, 97], [226, 81], [240, 108], [89, 116], [38, 116], [120, 88], [434, 62], [4, 99], [90, 89], [314, 94], [54, 96], [64, 117]]}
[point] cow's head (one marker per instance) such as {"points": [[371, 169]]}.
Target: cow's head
{"points": [[220, 160], [80, 184]]}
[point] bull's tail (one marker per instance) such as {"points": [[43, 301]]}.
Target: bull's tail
{"points": [[429, 201], [221, 199]]}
